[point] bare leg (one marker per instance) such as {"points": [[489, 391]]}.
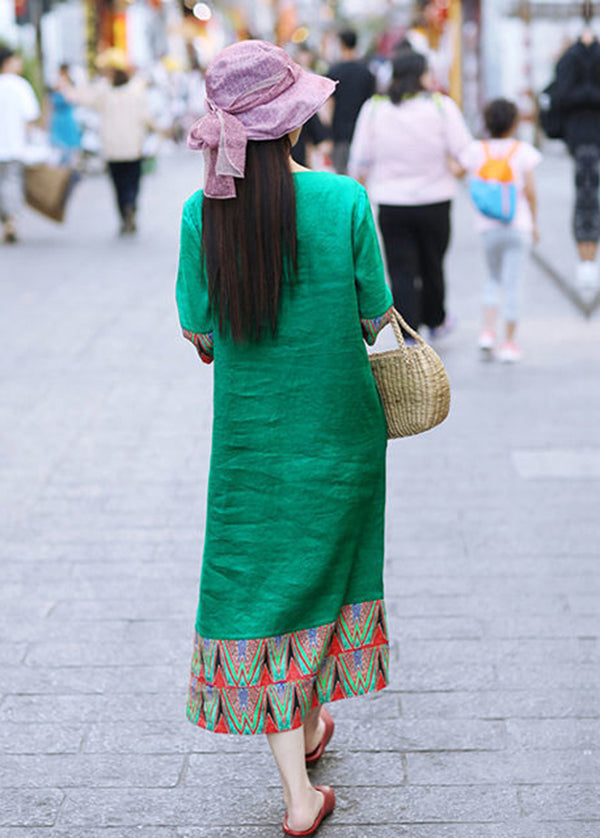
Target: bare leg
{"points": [[314, 729], [303, 802], [511, 330], [489, 318], [587, 251]]}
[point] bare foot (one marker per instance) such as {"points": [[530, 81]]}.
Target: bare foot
{"points": [[302, 818]]}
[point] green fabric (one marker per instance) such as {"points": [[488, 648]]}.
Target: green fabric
{"points": [[295, 518]]}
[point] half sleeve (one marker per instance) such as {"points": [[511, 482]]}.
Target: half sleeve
{"points": [[458, 136], [361, 148], [471, 157], [193, 303], [530, 157], [29, 103], [374, 296]]}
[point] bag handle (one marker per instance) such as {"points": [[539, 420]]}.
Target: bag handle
{"points": [[399, 323], [513, 150]]}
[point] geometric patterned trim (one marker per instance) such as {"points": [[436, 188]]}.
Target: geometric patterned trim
{"points": [[372, 327], [204, 344], [266, 685]]}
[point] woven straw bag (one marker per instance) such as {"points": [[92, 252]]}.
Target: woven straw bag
{"points": [[412, 384]]}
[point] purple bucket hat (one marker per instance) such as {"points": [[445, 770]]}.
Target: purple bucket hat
{"points": [[254, 91]]}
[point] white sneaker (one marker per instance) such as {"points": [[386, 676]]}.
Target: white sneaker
{"points": [[587, 278], [486, 342], [509, 353]]}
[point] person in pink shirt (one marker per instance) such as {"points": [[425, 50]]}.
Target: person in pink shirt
{"points": [[401, 150]]}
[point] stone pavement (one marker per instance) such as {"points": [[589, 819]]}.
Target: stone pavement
{"points": [[490, 728]]}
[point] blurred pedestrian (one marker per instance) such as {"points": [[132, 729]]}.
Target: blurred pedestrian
{"points": [[577, 94], [401, 150], [506, 242], [277, 266], [195, 102], [315, 134], [166, 99], [356, 84], [65, 132], [121, 101], [18, 109]]}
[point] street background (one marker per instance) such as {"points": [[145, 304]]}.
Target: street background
{"points": [[477, 49], [490, 728]]}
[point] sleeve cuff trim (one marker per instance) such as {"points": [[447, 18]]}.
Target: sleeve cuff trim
{"points": [[373, 325], [203, 342]]}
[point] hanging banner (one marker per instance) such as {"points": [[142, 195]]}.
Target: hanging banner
{"points": [[28, 11], [120, 31], [22, 11], [456, 79]]}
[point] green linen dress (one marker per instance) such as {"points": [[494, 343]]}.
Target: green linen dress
{"points": [[291, 609]]}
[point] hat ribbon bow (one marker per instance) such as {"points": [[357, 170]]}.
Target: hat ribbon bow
{"points": [[223, 138]]}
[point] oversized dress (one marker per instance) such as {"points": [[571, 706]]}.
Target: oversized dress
{"points": [[291, 609]]}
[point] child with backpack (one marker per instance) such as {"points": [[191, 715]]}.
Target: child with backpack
{"points": [[502, 186]]}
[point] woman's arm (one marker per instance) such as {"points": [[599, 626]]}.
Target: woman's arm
{"points": [[191, 292], [530, 193], [456, 168], [86, 95], [374, 296], [458, 136], [373, 325], [204, 344]]}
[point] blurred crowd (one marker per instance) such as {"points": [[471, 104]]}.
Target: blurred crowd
{"points": [[389, 124], [120, 122]]}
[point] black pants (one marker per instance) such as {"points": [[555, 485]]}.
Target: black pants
{"points": [[416, 239], [125, 175], [586, 218]]}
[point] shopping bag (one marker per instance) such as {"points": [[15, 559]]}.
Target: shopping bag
{"points": [[552, 119], [47, 189]]}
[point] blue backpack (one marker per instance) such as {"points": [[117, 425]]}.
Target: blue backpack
{"points": [[493, 189]]}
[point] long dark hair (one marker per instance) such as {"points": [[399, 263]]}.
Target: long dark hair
{"points": [[249, 242], [408, 69]]}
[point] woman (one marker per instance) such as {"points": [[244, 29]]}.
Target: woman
{"points": [[122, 104], [65, 133], [401, 150], [577, 96], [314, 135], [278, 267]]}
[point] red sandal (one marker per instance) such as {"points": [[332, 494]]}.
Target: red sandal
{"points": [[326, 809], [316, 755]]}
